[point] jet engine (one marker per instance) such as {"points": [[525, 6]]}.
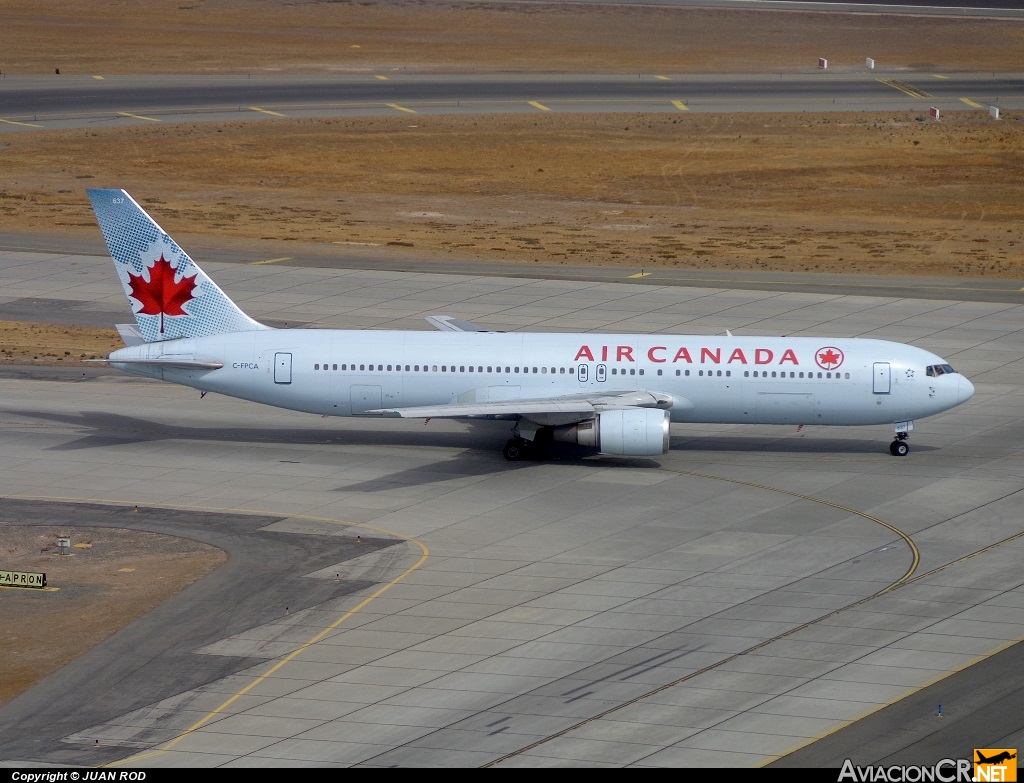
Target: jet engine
{"points": [[625, 432]]}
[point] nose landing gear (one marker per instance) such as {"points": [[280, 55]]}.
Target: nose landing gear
{"points": [[900, 447]]}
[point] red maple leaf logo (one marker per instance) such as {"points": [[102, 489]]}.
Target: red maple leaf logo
{"points": [[829, 358], [161, 295]]}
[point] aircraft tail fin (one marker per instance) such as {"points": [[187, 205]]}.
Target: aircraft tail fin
{"points": [[170, 295]]}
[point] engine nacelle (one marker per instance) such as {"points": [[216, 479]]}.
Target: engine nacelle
{"points": [[628, 432]]}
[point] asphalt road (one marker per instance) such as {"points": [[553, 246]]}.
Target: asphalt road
{"points": [[35, 102]]}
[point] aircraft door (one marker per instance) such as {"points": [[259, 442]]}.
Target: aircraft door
{"points": [[282, 368], [883, 378], [602, 373], [583, 373], [364, 398]]}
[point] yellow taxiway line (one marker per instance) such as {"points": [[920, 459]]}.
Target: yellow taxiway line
{"points": [[268, 111], [538, 105]]}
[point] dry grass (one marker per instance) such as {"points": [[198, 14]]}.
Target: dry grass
{"points": [[52, 344], [878, 193], [240, 36]]}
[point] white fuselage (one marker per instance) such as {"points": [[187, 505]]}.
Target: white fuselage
{"points": [[766, 380]]}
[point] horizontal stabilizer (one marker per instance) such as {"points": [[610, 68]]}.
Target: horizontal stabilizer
{"points": [[130, 334], [447, 323], [174, 362]]}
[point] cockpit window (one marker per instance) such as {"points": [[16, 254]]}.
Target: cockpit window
{"points": [[939, 369]]}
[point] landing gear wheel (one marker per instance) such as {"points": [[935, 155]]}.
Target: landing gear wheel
{"points": [[514, 450], [899, 448]]}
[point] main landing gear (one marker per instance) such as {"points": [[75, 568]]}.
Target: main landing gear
{"points": [[516, 449], [519, 448]]}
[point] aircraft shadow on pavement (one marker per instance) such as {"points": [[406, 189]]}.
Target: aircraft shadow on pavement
{"points": [[478, 444]]}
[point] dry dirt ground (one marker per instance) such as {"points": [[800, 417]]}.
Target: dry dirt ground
{"points": [[884, 193], [110, 578]]}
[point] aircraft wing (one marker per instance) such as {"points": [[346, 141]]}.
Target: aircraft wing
{"points": [[447, 323], [566, 409]]}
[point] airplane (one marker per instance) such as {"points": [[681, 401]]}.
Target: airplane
{"points": [[613, 393], [1004, 756]]}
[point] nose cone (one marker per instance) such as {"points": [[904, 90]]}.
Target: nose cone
{"points": [[965, 389]]}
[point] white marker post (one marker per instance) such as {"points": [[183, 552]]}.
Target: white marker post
{"points": [[934, 112], [822, 63], [993, 112], [870, 64]]}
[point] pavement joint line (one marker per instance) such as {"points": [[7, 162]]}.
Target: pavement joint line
{"points": [[754, 647], [915, 689]]}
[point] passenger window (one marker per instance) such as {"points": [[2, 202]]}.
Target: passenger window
{"points": [[746, 373], [641, 372], [362, 366], [572, 371], [659, 372], [316, 366], [632, 371]]}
